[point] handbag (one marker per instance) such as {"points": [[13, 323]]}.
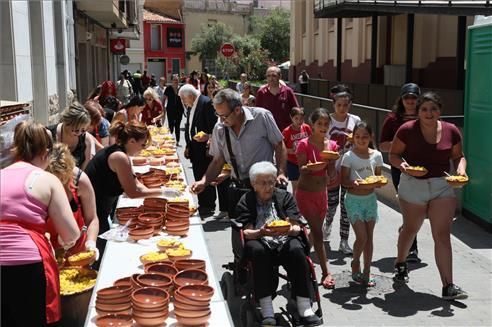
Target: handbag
{"points": [[237, 188]]}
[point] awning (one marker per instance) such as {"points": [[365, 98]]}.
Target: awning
{"points": [[366, 8]]}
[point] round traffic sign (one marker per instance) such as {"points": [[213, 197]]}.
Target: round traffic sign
{"points": [[227, 50]]}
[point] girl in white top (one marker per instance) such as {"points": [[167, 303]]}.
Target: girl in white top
{"points": [[360, 201], [340, 130]]}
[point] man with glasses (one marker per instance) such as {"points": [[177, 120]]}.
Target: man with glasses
{"points": [[276, 97], [200, 117], [253, 135]]}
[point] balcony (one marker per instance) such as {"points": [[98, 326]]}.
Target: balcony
{"points": [[365, 8], [111, 14]]}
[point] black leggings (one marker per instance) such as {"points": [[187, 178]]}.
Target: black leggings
{"points": [[23, 295], [174, 122], [292, 257]]}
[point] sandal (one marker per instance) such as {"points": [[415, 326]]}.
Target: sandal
{"points": [[358, 277], [328, 282], [369, 281]]}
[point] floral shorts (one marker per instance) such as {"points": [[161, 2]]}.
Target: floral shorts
{"points": [[361, 207]]}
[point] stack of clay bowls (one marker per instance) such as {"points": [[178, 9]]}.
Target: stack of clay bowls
{"points": [[150, 306], [114, 300], [177, 217], [157, 280], [192, 304], [155, 205], [137, 232], [124, 214], [151, 219]]}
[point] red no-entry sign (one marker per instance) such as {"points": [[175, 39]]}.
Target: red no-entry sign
{"points": [[227, 50]]}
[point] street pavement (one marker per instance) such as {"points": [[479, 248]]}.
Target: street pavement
{"points": [[417, 303]]}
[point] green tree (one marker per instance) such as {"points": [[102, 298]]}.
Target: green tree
{"points": [[208, 42], [273, 31], [252, 58]]}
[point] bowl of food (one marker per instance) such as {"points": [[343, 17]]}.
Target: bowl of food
{"points": [[81, 259], [279, 226], [139, 161], [329, 155], [416, 171], [372, 181], [154, 256], [179, 253], [168, 243], [76, 280], [316, 166], [199, 135], [457, 180]]}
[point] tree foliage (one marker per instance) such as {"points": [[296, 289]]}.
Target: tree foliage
{"points": [[208, 42], [273, 31]]}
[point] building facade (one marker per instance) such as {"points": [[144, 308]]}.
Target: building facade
{"points": [[164, 40]]}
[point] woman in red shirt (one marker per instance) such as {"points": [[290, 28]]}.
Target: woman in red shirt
{"points": [[431, 143], [153, 108]]}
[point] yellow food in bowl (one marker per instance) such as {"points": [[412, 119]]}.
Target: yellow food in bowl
{"points": [[145, 153], [178, 252], [278, 223], [81, 256], [170, 243], [227, 167], [154, 256], [74, 281], [419, 168], [200, 134], [173, 171], [460, 179]]}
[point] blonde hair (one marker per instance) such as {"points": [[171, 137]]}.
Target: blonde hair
{"points": [[61, 163], [30, 140], [150, 91], [75, 115]]}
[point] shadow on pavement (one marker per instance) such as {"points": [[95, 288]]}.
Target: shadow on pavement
{"points": [[213, 225], [471, 234], [386, 265], [401, 302]]}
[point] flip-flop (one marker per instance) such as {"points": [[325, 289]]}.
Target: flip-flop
{"points": [[328, 282]]}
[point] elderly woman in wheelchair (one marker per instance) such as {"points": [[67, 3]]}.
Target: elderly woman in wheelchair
{"points": [[269, 242]]}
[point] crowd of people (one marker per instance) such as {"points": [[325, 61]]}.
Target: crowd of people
{"points": [[66, 179]]}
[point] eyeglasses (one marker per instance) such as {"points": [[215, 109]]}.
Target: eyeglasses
{"points": [[224, 117], [269, 183]]}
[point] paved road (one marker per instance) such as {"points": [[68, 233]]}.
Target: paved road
{"points": [[415, 304]]}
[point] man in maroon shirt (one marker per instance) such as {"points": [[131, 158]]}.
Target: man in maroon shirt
{"points": [[277, 98]]}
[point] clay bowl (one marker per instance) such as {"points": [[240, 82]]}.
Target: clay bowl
{"points": [[159, 309], [193, 321], [416, 172], [197, 305], [457, 181], [138, 235], [329, 155], [280, 229], [139, 161], [197, 292], [155, 202], [114, 292], [153, 184], [185, 264], [151, 314], [177, 223], [156, 162], [155, 280], [115, 307], [103, 312], [178, 232], [120, 320], [190, 277], [117, 301], [153, 321], [72, 261], [191, 313], [128, 210], [125, 281], [189, 307], [316, 166], [150, 217], [162, 268], [134, 281], [150, 297]]}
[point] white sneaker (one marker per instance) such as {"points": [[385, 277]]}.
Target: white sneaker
{"points": [[345, 247]]}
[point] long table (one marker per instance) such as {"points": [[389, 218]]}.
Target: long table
{"points": [[121, 259]]}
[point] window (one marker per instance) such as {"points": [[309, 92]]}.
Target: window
{"points": [[155, 37], [175, 66]]}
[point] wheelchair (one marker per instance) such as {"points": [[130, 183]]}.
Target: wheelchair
{"points": [[237, 284]]}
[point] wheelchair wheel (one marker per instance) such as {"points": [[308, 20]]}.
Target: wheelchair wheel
{"points": [[248, 315], [227, 286]]}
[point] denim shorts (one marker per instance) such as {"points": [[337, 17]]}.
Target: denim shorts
{"points": [[292, 171], [361, 207], [422, 191]]}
